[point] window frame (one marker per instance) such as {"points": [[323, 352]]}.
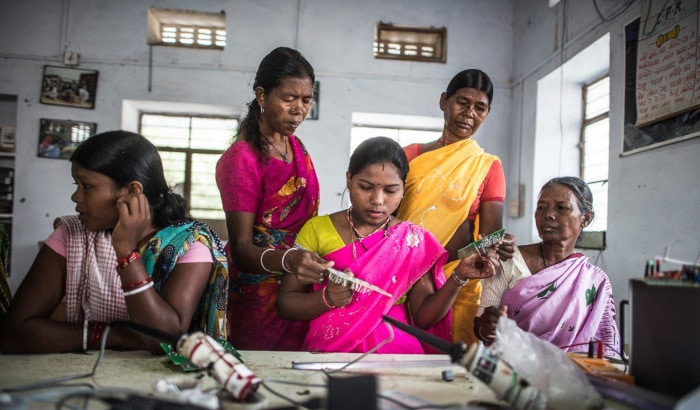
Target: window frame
{"points": [[405, 37], [588, 122], [189, 152], [585, 123]]}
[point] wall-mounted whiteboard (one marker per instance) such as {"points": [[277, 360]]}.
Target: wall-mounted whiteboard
{"points": [[667, 59]]}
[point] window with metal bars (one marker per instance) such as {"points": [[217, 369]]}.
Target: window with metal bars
{"points": [[189, 147], [186, 28], [595, 147], [193, 36], [410, 43]]}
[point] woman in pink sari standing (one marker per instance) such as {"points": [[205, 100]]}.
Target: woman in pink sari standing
{"points": [[269, 189], [404, 260]]}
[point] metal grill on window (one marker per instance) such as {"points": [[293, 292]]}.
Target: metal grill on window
{"points": [[410, 43], [193, 36], [186, 28]]}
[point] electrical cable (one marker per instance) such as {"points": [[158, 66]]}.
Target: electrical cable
{"points": [[609, 19], [561, 88], [62, 379], [595, 339], [363, 355], [60, 382], [422, 406]]}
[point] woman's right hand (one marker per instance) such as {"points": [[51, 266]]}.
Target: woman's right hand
{"points": [[307, 267], [485, 325], [134, 220], [506, 247]]}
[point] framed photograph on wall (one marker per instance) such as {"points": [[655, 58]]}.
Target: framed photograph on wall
{"points": [[7, 138], [313, 112], [59, 138], [67, 86]]}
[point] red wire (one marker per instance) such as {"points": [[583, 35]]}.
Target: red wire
{"points": [[601, 347]]}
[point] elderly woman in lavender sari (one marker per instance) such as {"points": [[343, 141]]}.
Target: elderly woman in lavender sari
{"points": [[547, 288]]}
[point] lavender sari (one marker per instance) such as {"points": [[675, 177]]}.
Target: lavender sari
{"points": [[566, 304]]}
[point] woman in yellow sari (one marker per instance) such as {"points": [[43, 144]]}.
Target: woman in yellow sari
{"points": [[455, 189]]}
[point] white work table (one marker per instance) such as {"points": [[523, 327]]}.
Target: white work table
{"points": [[419, 376], [416, 379]]}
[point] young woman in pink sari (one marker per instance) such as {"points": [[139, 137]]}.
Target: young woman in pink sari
{"points": [[401, 258], [268, 188]]}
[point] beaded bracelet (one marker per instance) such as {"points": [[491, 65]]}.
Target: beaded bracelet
{"points": [[139, 290], [261, 260], [325, 300], [122, 263], [135, 285], [460, 282], [284, 268], [95, 334]]}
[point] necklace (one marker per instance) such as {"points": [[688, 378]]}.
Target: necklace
{"points": [[355, 233], [544, 262], [285, 156]]}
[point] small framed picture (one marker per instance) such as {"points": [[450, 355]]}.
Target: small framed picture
{"points": [[72, 87], [313, 112], [59, 138], [7, 138]]}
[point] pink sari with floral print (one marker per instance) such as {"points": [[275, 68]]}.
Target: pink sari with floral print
{"points": [[394, 261]]}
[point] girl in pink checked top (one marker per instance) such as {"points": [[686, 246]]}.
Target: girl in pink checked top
{"points": [[130, 254]]}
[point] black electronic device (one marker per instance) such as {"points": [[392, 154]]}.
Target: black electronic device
{"points": [[352, 392]]}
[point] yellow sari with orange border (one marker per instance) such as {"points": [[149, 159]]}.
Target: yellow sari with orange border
{"points": [[441, 187]]}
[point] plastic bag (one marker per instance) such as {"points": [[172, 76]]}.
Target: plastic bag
{"points": [[546, 367]]}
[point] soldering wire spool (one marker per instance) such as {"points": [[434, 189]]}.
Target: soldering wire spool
{"points": [[203, 351]]}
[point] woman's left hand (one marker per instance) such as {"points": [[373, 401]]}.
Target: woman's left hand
{"points": [[134, 219], [485, 325], [338, 295]]}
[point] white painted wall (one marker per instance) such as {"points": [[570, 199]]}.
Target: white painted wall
{"points": [[336, 36], [654, 196]]}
